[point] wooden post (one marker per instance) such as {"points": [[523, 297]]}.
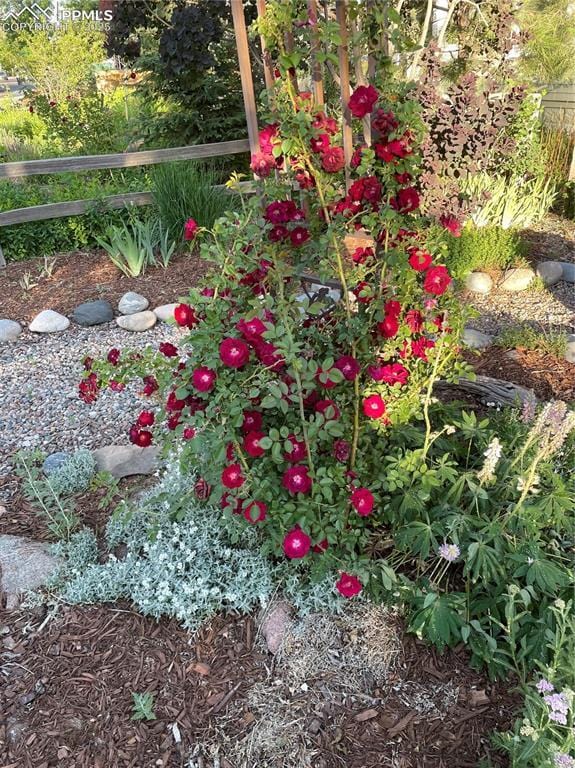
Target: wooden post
{"points": [[268, 69], [246, 74], [361, 79], [317, 82], [341, 13]]}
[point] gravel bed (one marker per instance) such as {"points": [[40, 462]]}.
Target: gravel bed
{"points": [[550, 309], [39, 403]]}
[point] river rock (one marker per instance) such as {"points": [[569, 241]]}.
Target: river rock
{"points": [[570, 349], [9, 330], [139, 321], [165, 312], [131, 302], [476, 339], [49, 321], [568, 271], [479, 282], [93, 313], [275, 625], [126, 460], [24, 565], [550, 272], [517, 279]]}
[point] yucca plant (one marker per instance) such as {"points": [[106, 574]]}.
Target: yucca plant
{"points": [[131, 246]]}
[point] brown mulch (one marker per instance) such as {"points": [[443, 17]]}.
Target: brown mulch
{"points": [[88, 275], [548, 376], [68, 699]]}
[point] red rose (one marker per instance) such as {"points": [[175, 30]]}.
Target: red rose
{"points": [[251, 329], [419, 260], [384, 122], [437, 280], [328, 408], [395, 373], [190, 229], [321, 546], [363, 100], [414, 320], [252, 422], [252, 445], [185, 316], [140, 437], [267, 135], [320, 143], [341, 450], [406, 200], [348, 585], [173, 403], [362, 501], [268, 355], [167, 349], [419, 348], [189, 433], [232, 476], [203, 379], [392, 308], [202, 489], [262, 164], [281, 211], [298, 451], [255, 512], [146, 419], [299, 235], [113, 356], [297, 480], [384, 153], [363, 292], [389, 326], [322, 122], [278, 233], [357, 156], [349, 366], [150, 385], [333, 160], [374, 407], [296, 544], [361, 255], [451, 224], [234, 353]]}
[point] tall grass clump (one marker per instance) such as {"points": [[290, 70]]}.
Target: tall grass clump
{"points": [[188, 190]]}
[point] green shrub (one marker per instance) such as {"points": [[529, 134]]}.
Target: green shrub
{"points": [[188, 190], [483, 248], [75, 474], [548, 341]]}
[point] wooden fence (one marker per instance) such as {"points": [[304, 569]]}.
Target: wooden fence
{"points": [[559, 108]]}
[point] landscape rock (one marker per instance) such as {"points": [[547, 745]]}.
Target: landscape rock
{"points": [[476, 339], [54, 461], [275, 625], [139, 321], [165, 312], [24, 565], [479, 282], [550, 272], [49, 321], [568, 271], [93, 313], [517, 279], [132, 302], [9, 330], [570, 350], [126, 460]]}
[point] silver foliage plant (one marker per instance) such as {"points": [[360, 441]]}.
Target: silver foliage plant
{"points": [[75, 474], [185, 569]]}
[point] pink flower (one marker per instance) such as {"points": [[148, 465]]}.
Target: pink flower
{"points": [[348, 585], [251, 444], [234, 353], [419, 259], [299, 235], [362, 501], [252, 422], [394, 373], [262, 164], [320, 143], [333, 160], [297, 480], [437, 280], [296, 544], [363, 100], [255, 512], [349, 366], [203, 379], [190, 229], [168, 350], [451, 224], [374, 407], [184, 315], [232, 476], [298, 451]]}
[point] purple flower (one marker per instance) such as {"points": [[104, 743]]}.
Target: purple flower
{"points": [[544, 686], [558, 717], [558, 702], [563, 760], [449, 552]]}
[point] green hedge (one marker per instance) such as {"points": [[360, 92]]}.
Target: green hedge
{"points": [[484, 248]]}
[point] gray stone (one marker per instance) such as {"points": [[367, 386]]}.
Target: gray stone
{"points": [[131, 302], [54, 461], [9, 330], [165, 312], [550, 272], [24, 565], [126, 460], [570, 351], [517, 279], [568, 271], [49, 321], [140, 321], [479, 282], [93, 313], [476, 339], [275, 625]]}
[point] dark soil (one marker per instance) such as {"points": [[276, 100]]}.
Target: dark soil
{"points": [[89, 275]]}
